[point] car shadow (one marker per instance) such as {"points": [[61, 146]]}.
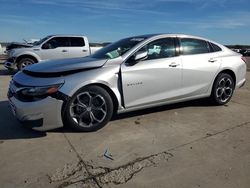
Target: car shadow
{"points": [[11, 129], [193, 103]]}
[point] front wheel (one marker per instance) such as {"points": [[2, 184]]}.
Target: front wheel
{"points": [[223, 89], [24, 62], [89, 109]]}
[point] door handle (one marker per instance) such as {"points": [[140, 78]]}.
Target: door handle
{"points": [[212, 60], [64, 50], [174, 64], [84, 50]]}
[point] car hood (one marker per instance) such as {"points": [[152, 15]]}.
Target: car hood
{"points": [[15, 52], [18, 44], [64, 66]]}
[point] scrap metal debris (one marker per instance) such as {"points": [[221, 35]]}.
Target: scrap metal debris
{"points": [[108, 155]]}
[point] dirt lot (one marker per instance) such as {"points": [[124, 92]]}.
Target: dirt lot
{"points": [[185, 145]]}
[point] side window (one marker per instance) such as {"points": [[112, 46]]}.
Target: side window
{"points": [[56, 42], [77, 42], [194, 46], [161, 48], [215, 47]]}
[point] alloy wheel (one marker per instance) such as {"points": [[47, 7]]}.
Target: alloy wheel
{"points": [[25, 63], [224, 89], [88, 109]]}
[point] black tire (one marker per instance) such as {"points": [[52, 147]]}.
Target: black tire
{"points": [[24, 62], [89, 109], [223, 89]]}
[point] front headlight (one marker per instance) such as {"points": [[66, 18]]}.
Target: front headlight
{"points": [[40, 91]]}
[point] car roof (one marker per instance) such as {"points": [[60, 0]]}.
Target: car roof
{"points": [[65, 35], [180, 35]]}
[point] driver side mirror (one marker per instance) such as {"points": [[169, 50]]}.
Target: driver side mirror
{"points": [[140, 55]]}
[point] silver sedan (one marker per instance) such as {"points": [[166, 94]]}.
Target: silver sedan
{"points": [[133, 73]]}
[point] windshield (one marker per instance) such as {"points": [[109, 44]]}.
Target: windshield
{"points": [[37, 43], [118, 48]]}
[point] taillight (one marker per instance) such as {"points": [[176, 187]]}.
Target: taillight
{"points": [[244, 59]]}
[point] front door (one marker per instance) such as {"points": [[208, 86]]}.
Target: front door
{"points": [[56, 48], [154, 79]]}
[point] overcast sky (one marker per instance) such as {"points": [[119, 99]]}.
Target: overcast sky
{"points": [[225, 21]]}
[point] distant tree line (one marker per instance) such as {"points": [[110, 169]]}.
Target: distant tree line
{"points": [[95, 44], [237, 46]]}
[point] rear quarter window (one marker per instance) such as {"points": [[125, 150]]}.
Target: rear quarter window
{"points": [[215, 47], [194, 46]]}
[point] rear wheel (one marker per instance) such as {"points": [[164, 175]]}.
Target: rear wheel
{"points": [[24, 62], [223, 89], [89, 109]]}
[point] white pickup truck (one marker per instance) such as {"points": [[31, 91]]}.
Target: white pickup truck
{"points": [[50, 47]]}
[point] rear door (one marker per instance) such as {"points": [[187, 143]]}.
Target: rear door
{"points": [[78, 48], [200, 65], [56, 48], [154, 79]]}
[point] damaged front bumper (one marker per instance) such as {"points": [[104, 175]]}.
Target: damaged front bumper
{"points": [[10, 63], [39, 115]]}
